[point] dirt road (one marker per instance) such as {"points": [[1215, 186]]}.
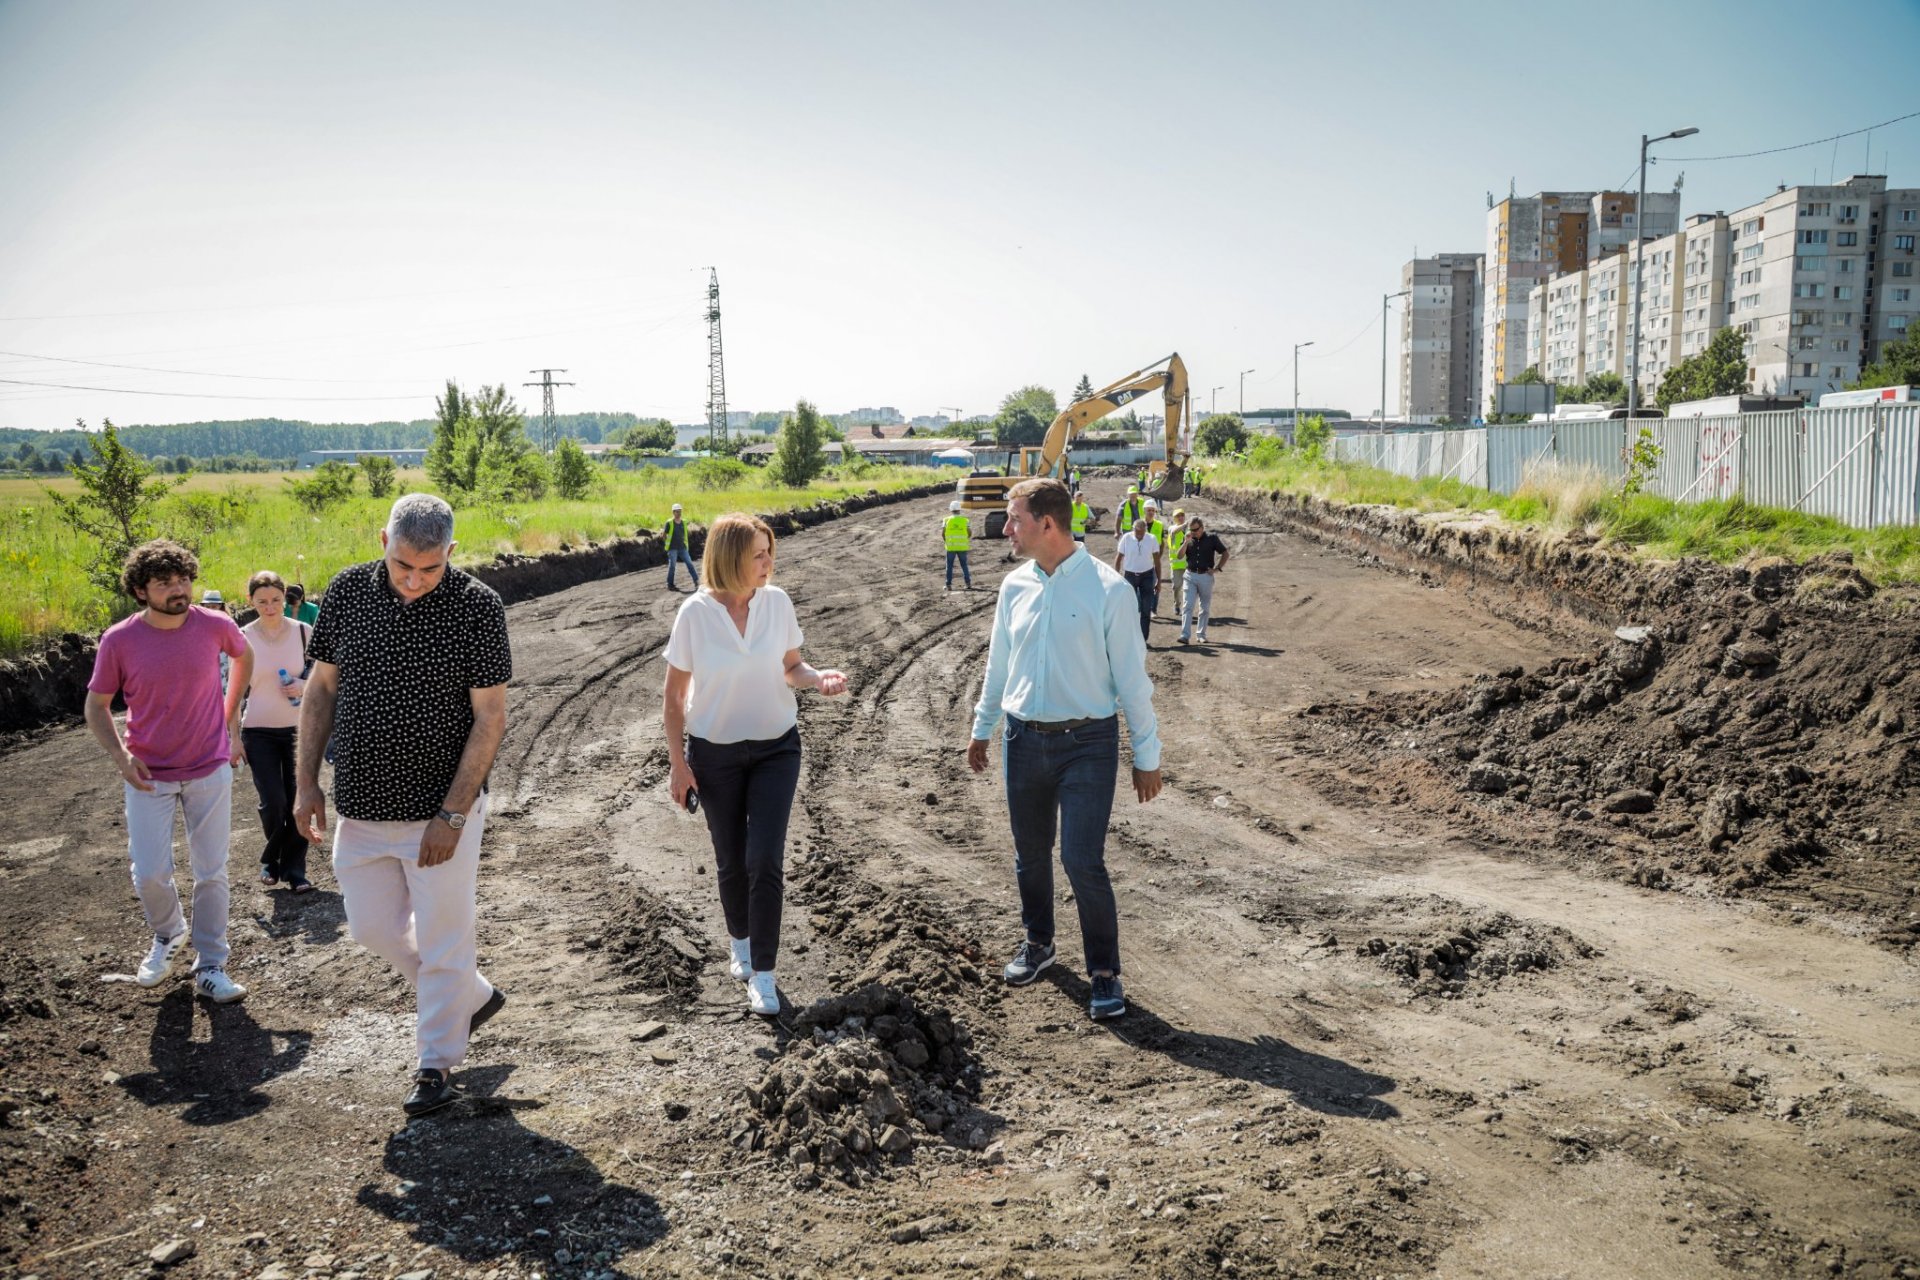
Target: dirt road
{"points": [[1366, 1038]]}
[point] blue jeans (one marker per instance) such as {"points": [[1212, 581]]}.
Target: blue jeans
{"points": [[966, 574], [746, 793], [1064, 782], [680, 555]]}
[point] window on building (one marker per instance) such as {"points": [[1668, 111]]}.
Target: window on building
{"points": [[1845, 265], [1808, 370], [1813, 237], [1903, 295], [1807, 317], [1849, 212], [1842, 292], [1805, 343], [1897, 322], [1903, 242], [1902, 268], [1847, 239], [1843, 344], [1908, 215], [1820, 210], [1809, 289]]}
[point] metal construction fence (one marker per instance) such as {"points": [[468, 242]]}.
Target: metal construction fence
{"points": [[1860, 464]]}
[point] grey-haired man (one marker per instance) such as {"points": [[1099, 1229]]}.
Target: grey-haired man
{"points": [[410, 671]]}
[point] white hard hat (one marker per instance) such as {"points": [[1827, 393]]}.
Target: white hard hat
{"points": [[676, 506], [1151, 503], [954, 505]]}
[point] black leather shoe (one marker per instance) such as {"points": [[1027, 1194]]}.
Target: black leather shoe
{"points": [[494, 1004], [431, 1091]]}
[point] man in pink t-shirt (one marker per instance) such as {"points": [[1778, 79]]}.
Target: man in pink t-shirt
{"points": [[182, 743]]}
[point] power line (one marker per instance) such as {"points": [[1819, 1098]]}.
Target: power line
{"points": [[1801, 146], [200, 395], [198, 373]]}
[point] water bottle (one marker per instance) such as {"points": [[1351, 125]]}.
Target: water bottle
{"points": [[286, 680]]}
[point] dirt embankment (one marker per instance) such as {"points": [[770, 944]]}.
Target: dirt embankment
{"points": [[1747, 728], [50, 685]]}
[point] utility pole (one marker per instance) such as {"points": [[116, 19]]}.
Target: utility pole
{"points": [[1243, 391], [1296, 388], [717, 439], [1213, 401], [1384, 300], [546, 385]]}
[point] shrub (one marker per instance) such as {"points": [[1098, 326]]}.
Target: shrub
{"points": [[572, 471], [330, 485], [717, 473], [379, 470]]}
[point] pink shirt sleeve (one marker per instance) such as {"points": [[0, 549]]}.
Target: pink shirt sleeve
{"points": [[106, 665]]}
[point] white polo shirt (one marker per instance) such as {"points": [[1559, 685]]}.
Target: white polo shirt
{"points": [[1136, 554], [740, 691]]}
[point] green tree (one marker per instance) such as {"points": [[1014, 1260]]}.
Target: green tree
{"points": [[717, 473], [651, 435], [330, 485], [1601, 388], [379, 470], [27, 456], [1898, 365], [1036, 400], [1313, 435], [1527, 376], [1083, 390], [447, 465], [572, 471], [1019, 425], [1720, 370], [114, 510], [798, 455], [1222, 433]]}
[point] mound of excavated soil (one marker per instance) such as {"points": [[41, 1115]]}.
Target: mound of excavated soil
{"points": [[1474, 950], [867, 1076], [1762, 730]]}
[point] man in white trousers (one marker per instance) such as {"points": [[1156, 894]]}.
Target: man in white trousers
{"points": [[181, 746], [410, 671]]}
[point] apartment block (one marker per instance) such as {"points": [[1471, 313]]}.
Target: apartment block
{"points": [[1820, 278], [1529, 240], [1557, 328], [1614, 220], [1604, 318], [1439, 337]]}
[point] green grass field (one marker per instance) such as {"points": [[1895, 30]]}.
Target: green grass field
{"points": [[243, 523], [1722, 530]]}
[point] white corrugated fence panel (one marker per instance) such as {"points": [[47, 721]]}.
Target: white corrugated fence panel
{"points": [[1512, 450], [1773, 459], [1897, 493], [1839, 474], [1592, 446]]}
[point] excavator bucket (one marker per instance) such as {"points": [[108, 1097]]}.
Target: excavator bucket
{"points": [[1173, 482]]}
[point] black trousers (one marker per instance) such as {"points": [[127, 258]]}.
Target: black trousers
{"points": [[270, 755], [746, 791]]}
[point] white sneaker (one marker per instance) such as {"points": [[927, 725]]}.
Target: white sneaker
{"points": [[762, 997], [216, 986], [740, 964], [159, 962]]}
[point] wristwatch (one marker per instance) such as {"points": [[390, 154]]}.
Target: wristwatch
{"points": [[452, 819]]}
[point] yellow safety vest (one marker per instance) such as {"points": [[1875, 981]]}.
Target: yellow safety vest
{"points": [[1158, 532], [1081, 514], [1129, 512], [1177, 548], [959, 534]]}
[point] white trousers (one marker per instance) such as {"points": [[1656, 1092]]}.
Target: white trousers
{"points": [[207, 806], [422, 922], [1199, 602]]}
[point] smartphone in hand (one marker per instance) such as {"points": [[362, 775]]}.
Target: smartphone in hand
{"points": [[693, 800]]}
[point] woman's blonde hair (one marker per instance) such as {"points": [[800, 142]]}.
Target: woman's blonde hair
{"points": [[265, 578], [724, 560]]}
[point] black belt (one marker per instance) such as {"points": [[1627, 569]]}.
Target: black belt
{"points": [[1058, 726]]}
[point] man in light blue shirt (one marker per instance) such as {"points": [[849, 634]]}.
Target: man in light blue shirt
{"points": [[1066, 656]]}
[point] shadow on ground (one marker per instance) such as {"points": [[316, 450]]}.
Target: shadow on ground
{"points": [[474, 1181], [217, 1078], [1317, 1082]]}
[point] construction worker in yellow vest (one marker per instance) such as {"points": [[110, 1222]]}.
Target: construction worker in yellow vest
{"points": [[1176, 545], [959, 536], [1081, 514], [1130, 510], [1150, 512]]}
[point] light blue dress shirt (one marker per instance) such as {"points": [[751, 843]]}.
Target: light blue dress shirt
{"points": [[1067, 646]]}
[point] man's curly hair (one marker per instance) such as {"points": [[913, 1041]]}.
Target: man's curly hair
{"points": [[161, 558]]}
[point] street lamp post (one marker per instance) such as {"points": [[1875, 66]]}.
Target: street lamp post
{"points": [[1639, 283], [1243, 390], [1296, 387], [1213, 401], [1385, 298]]}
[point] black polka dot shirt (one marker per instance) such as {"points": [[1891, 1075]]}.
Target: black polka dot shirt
{"points": [[403, 712]]}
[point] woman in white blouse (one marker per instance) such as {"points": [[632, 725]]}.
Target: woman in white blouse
{"points": [[733, 662]]}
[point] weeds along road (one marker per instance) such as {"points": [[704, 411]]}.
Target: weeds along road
{"points": [[1631, 1083]]}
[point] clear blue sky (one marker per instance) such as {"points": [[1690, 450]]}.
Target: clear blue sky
{"points": [[909, 204]]}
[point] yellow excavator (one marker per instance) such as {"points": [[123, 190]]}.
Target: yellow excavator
{"points": [[1165, 475]]}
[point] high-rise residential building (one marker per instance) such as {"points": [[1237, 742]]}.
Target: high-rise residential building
{"points": [[1603, 326], [1439, 338], [1817, 276], [1684, 302], [1529, 239], [1613, 220], [1556, 325]]}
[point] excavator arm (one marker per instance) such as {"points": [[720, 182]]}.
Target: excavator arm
{"points": [[1170, 381]]}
